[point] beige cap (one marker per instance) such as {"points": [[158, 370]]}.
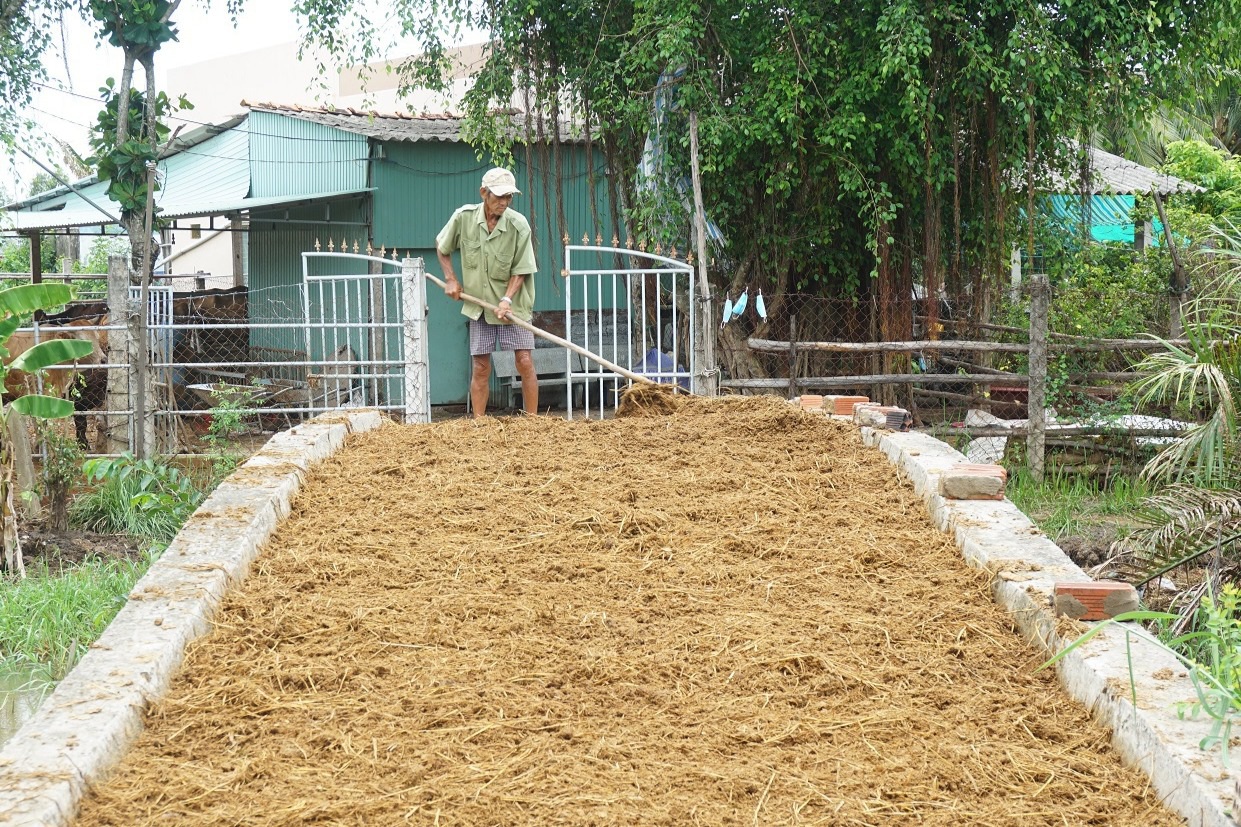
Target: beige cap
{"points": [[500, 182]]}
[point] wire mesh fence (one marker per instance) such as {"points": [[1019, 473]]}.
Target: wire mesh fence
{"points": [[819, 344]]}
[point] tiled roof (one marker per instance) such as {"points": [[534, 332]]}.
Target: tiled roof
{"points": [[391, 126]]}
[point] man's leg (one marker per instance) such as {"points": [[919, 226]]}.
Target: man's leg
{"points": [[529, 380], [480, 378]]}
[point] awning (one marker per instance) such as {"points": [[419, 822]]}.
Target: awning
{"points": [[211, 178]]}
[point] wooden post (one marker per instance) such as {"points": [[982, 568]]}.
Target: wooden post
{"points": [[792, 355], [1040, 296], [1180, 284], [706, 377], [235, 233], [36, 258]]}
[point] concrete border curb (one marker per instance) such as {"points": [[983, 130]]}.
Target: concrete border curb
{"points": [[89, 721], [997, 537]]}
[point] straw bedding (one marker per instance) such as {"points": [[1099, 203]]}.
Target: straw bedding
{"points": [[707, 612]]}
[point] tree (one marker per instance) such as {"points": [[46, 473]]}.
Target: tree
{"points": [[847, 148], [126, 139]]}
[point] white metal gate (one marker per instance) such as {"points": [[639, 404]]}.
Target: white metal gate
{"points": [[634, 308], [366, 336]]}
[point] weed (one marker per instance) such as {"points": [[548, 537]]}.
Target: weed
{"points": [[232, 406], [143, 498], [47, 620], [1063, 504], [62, 467]]}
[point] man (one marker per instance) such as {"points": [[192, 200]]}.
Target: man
{"points": [[497, 266]]}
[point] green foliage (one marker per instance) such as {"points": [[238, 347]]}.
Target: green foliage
{"points": [[1202, 379], [16, 305], [1063, 505], [1217, 694], [49, 619], [826, 128], [1213, 650], [142, 25], [1213, 169], [124, 164], [1216, 646], [143, 498], [15, 255], [101, 249]]}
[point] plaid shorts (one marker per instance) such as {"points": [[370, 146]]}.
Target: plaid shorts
{"points": [[485, 336]]}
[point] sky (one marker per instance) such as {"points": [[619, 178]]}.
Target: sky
{"points": [[68, 106]]}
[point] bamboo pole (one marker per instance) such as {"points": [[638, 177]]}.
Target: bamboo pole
{"points": [[551, 337], [775, 346], [1052, 433]]}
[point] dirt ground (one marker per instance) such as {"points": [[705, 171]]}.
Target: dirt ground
{"points": [[65, 549], [707, 612]]}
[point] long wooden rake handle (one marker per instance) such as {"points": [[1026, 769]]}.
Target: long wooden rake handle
{"points": [[552, 337]]}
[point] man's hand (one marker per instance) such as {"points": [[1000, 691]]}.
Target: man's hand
{"points": [[452, 287], [504, 310]]}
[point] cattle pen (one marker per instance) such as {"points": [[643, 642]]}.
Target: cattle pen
{"points": [[707, 611]]}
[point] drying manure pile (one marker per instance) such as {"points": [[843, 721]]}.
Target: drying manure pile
{"points": [[705, 612]]}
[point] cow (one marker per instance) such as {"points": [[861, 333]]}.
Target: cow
{"points": [[85, 382]]}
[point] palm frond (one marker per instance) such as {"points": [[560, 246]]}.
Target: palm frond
{"points": [[1179, 526]]}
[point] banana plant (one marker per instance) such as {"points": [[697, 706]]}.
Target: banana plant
{"points": [[17, 304]]}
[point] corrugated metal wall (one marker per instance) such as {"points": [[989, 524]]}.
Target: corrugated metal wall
{"points": [[416, 189], [277, 240], [289, 156], [419, 186]]}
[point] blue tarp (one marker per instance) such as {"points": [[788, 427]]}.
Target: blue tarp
{"points": [[1110, 216]]}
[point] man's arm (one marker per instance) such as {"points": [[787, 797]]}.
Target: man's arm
{"points": [[514, 284], [452, 287]]}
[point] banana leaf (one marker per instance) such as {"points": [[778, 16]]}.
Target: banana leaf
{"points": [[38, 406], [25, 299], [52, 352]]}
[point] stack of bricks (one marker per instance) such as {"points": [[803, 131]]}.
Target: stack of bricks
{"points": [[811, 403], [973, 481], [881, 416], [842, 405]]}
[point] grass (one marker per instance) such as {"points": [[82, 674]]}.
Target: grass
{"points": [[1063, 505], [48, 619]]}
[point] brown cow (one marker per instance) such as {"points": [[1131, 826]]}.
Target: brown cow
{"points": [[85, 381]]}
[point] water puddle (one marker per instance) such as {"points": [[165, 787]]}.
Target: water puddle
{"points": [[21, 692]]}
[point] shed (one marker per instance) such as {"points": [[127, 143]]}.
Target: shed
{"points": [[1115, 184]]}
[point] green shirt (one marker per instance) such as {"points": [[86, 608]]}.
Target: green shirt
{"points": [[489, 260]]}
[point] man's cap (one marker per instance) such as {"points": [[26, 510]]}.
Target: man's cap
{"points": [[500, 182]]}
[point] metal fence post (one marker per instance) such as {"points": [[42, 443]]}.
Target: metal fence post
{"points": [[414, 318], [1040, 295]]}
